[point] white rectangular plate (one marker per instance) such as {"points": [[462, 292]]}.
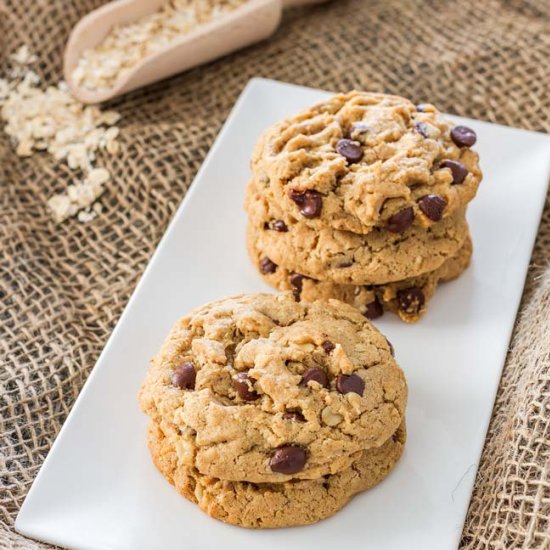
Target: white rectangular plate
{"points": [[98, 487]]}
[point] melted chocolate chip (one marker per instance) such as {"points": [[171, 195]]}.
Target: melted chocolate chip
{"points": [[432, 206], [295, 416], [280, 226], [267, 266], [288, 460], [313, 205], [245, 387], [421, 128], [374, 310], [298, 197], [297, 283], [411, 299], [392, 349], [463, 136], [350, 383], [296, 280], [350, 150], [401, 221], [184, 376], [328, 346], [310, 202], [316, 375], [458, 170]]}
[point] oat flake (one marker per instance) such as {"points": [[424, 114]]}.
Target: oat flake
{"points": [[53, 121]]}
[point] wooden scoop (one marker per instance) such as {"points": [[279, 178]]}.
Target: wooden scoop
{"points": [[249, 23]]}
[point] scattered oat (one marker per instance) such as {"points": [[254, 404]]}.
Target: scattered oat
{"points": [[53, 121], [99, 68], [85, 216], [20, 61], [4, 89], [80, 197], [23, 56]]}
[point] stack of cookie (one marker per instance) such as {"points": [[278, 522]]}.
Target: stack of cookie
{"points": [[267, 412], [363, 198]]}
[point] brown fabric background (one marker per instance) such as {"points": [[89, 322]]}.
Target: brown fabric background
{"points": [[63, 288]]}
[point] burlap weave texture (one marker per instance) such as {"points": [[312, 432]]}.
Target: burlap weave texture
{"points": [[62, 288]]}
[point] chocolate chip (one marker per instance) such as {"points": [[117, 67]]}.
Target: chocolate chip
{"points": [[310, 202], [267, 266], [296, 416], [315, 374], [298, 197], [296, 280], [463, 136], [346, 383], [432, 206], [374, 310], [328, 346], [421, 128], [458, 170], [345, 263], [392, 349], [288, 460], [401, 221], [245, 387], [280, 226], [312, 205], [184, 376], [411, 299], [297, 283], [350, 150]]}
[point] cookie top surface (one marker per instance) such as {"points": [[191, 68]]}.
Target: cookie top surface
{"points": [[344, 257], [360, 160], [260, 388]]}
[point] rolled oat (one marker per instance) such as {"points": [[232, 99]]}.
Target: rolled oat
{"points": [[126, 45], [53, 121]]}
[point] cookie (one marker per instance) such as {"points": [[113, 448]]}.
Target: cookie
{"points": [[344, 257], [407, 298], [261, 388], [268, 505], [362, 160]]}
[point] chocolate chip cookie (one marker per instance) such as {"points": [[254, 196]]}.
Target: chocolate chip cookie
{"points": [[361, 160], [407, 298], [265, 505], [264, 389], [325, 253]]}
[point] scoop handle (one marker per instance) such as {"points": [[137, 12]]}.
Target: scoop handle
{"points": [[293, 3]]}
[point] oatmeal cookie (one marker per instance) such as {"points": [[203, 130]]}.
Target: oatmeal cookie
{"points": [[325, 253], [261, 388], [407, 298], [361, 160]]}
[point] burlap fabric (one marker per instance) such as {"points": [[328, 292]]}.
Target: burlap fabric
{"points": [[63, 288]]}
